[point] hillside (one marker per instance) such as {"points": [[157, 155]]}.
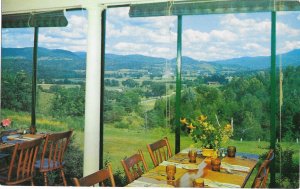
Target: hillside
{"points": [[262, 62], [65, 64]]}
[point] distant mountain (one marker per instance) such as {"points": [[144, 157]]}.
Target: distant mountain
{"points": [[262, 62], [54, 63], [81, 54], [58, 63]]}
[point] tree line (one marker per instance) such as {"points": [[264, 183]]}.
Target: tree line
{"points": [[245, 100]]}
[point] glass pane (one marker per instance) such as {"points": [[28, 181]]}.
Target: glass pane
{"points": [[16, 76], [288, 125], [139, 97], [226, 69], [60, 84]]}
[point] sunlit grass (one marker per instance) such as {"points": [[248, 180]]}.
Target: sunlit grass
{"points": [[121, 143]]}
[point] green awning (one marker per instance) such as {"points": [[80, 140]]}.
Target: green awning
{"points": [[46, 19], [199, 7]]}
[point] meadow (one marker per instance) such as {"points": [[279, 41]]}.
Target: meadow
{"points": [[121, 143]]}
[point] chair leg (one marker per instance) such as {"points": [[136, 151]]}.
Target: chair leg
{"points": [[45, 179], [63, 177], [32, 183]]}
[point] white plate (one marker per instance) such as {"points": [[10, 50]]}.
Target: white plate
{"points": [[191, 167], [12, 137]]}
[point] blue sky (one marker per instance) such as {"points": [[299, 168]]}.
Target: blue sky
{"points": [[206, 37]]}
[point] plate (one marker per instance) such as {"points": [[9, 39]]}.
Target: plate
{"points": [[191, 167], [13, 137]]}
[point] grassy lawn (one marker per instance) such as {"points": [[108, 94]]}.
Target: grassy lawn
{"points": [[121, 143]]}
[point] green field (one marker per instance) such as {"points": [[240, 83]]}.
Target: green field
{"points": [[121, 143]]}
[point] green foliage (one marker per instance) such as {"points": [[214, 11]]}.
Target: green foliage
{"points": [[68, 102], [289, 177], [158, 89], [111, 82], [16, 91], [130, 100], [119, 176], [122, 125], [132, 121], [130, 83], [74, 161]]}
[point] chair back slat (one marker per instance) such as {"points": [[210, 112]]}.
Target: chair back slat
{"points": [[98, 177], [134, 166], [22, 162], [159, 151], [54, 149]]}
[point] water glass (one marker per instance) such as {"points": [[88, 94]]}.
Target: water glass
{"points": [[231, 150], [171, 170]]}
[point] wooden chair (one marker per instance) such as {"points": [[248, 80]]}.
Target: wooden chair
{"points": [[134, 166], [97, 177], [269, 158], [159, 151], [4, 161], [53, 154], [270, 155], [261, 177], [21, 167]]}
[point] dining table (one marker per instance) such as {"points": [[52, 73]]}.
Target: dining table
{"points": [[10, 140], [234, 172]]}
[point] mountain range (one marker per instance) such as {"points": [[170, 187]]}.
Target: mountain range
{"points": [[57, 63]]}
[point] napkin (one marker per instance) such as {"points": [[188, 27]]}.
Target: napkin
{"points": [[185, 151], [138, 183], [214, 184], [228, 166], [178, 165]]}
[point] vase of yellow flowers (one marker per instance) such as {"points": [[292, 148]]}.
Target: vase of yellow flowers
{"points": [[209, 136]]}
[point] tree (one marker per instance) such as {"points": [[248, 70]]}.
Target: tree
{"points": [[68, 102], [158, 89], [16, 91], [130, 83]]}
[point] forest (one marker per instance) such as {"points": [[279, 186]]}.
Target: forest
{"points": [[244, 99]]}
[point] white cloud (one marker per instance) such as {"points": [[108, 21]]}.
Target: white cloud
{"points": [[232, 35], [224, 35], [143, 49], [194, 36], [288, 46], [283, 29]]}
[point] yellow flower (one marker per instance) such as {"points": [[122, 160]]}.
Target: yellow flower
{"points": [[228, 127], [183, 121], [205, 124], [202, 117], [191, 126]]}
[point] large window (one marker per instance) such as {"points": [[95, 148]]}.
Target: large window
{"points": [[60, 83], [139, 95], [227, 73]]}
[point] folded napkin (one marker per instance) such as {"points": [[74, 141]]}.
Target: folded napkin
{"points": [[185, 151], [138, 183], [228, 166], [214, 184]]}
